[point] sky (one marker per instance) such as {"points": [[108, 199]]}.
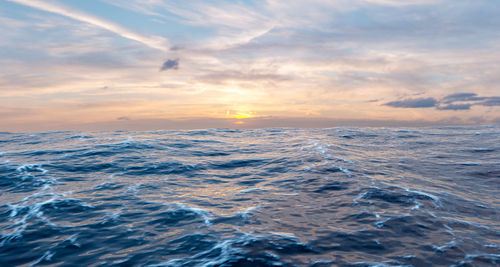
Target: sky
{"points": [[168, 64]]}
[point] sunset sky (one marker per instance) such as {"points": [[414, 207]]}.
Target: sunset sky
{"points": [[154, 64]]}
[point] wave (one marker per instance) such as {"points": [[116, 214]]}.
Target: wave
{"points": [[263, 197]]}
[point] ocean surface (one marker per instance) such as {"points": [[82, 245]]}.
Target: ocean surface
{"points": [[265, 197]]}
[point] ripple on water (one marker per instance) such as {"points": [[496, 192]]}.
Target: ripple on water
{"points": [[261, 197]]}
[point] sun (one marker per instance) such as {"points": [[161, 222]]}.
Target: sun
{"points": [[241, 115], [234, 114]]}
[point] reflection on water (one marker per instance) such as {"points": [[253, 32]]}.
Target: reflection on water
{"points": [[268, 197]]}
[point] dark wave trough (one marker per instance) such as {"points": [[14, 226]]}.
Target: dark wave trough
{"points": [[268, 197]]}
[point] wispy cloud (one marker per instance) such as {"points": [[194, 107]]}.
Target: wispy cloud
{"points": [[155, 42], [230, 24]]}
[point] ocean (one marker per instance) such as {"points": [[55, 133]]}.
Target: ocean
{"points": [[263, 197]]}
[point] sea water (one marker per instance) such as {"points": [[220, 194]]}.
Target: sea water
{"points": [[263, 197]]}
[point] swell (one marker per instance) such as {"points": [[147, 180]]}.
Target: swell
{"points": [[267, 197]]}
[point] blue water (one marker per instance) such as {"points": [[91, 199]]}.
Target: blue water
{"points": [[267, 197]]}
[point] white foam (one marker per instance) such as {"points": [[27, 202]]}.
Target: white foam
{"points": [[134, 189], [207, 215], [46, 256], [30, 168], [328, 159], [226, 248], [435, 199], [112, 217], [417, 205], [33, 205], [226, 253], [250, 190], [381, 223], [244, 214], [446, 246], [346, 171], [360, 196], [72, 239], [34, 171]]}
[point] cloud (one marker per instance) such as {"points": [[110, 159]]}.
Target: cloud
{"points": [[458, 101], [155, 42], [414, 103], [455, 107], [469, 99], [461, 97], [314, 58], [491, 101], [170, 64]]}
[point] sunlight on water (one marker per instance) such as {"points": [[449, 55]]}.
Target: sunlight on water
{"points": [[268, 197]]}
